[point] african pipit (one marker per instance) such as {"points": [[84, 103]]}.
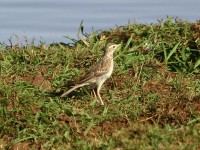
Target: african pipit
{"points": [[99, 72]]}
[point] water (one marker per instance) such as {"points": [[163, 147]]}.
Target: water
{"points": [[50, 20]]}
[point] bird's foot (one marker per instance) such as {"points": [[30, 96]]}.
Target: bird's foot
{"points": [[102, 104]]}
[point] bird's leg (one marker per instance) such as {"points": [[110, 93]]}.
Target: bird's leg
{"points": [[93, 90], [99, 96]]}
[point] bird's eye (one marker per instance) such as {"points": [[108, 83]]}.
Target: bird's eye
{"points": [[113, 46]]}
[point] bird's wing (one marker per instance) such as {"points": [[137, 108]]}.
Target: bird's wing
{"points": [[103, 67], [97, 70]]}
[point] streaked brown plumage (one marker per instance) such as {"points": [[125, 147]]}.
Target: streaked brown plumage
{"points": [[99, 72]]}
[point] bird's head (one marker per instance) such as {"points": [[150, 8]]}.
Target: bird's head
{"points": [[110, 48]]}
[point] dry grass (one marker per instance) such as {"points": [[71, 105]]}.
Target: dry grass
{"points": [[152, 99]]}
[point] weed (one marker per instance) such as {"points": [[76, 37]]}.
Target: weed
{"points": [[152, 98]]}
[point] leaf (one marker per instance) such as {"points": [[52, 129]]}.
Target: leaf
{"points": [[178, 69], [165, 52], [197, 63], [172, 51], [128, 43]]}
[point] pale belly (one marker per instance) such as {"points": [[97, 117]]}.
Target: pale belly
{"points": [[104, 77]]}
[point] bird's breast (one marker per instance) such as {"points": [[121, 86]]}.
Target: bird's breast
{"points": [[110, 70]]}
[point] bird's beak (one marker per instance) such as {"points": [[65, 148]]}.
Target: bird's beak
{"points": [[118, 45]]}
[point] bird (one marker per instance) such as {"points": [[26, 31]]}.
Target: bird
{"points": [[98, 73]]}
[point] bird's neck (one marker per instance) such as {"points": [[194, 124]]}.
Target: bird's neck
{"points": [[108, 54]]}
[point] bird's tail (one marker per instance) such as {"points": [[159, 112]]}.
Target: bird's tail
{"points": [[72, 89]]}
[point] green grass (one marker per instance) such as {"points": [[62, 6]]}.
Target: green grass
{"points": [[152, 99]]}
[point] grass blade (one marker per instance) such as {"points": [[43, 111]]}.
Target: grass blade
{"points": [[172, 51], [197, 63]]}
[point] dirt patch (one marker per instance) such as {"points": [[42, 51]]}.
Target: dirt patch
{"points": [[72, 122], [22, 145], [174, 114], [35, 109], [109, 127], [38, 80], [65, 118], [177, 111], [175, 103]]}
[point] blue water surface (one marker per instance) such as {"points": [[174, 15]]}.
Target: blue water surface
{"points": [[51, 20]]}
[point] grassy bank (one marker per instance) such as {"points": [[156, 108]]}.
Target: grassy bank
{"points": [[152, 99]]}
